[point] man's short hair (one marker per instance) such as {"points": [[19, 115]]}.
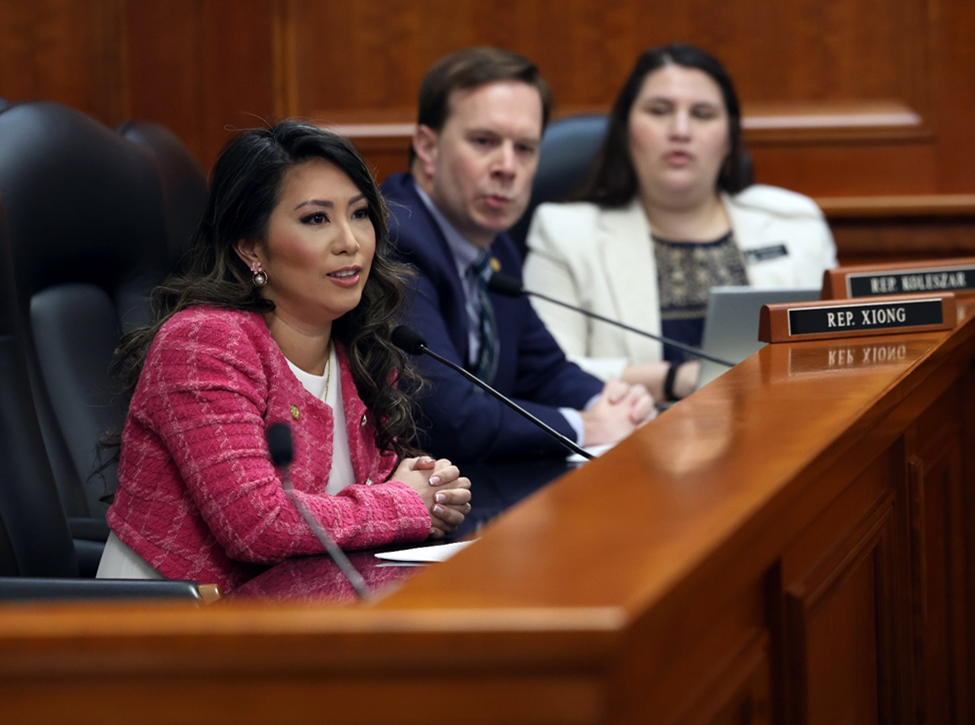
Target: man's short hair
{"points": [[471, 68]]}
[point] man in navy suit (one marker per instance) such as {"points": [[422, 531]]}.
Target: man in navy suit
{"points": [[474, 154]]}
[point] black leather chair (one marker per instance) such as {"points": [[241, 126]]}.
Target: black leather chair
{"points": [[568, 147], [88, 241], [36, 540], [37, 554], [184, 182], [20, 589]]}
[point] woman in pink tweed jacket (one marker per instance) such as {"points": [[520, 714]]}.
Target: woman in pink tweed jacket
{"points": [[287, 307]]}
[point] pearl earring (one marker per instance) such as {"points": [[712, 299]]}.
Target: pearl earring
{"points": [[260, 276]]}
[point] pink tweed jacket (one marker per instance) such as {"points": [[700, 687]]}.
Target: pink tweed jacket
{"points": [[198, 497]]}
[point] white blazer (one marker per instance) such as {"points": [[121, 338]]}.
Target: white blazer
{"points": [[603, 260]]}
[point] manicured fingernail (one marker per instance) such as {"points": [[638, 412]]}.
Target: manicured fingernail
{"points": [[438, 510], [434, 480], [440, 497]]}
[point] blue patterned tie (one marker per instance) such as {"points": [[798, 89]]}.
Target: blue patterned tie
{"points": [[487, 358]]}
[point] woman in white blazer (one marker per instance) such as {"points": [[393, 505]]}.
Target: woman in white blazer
{"points": [[662, 217]]}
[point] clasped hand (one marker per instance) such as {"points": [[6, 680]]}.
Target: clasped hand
{"points": [[445, 492], [620, 409]]}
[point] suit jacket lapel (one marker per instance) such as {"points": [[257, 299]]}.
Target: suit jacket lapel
{"points": [[426, 227], [624, 244]]}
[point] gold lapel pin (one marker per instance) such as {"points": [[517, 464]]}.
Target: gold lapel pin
{"points": [[295, 413]]}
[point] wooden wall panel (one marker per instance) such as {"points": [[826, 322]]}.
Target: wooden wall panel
{"points": [[808, 74], [966, 588], [65, 50], [849, 170], [201, 67], [854, 98], [801, 52], [839, 619], [935, 481], [165, 58], [865, 241], [841, 623], [954, 92]]}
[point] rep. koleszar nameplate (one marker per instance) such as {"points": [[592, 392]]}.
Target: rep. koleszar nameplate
{"points": [[790, 322], [901, 278]]}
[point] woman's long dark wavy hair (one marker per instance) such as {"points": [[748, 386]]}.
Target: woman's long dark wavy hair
{"points": [[245, 188], [611, 180]]}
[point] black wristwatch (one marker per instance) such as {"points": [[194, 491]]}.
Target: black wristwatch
{"points": [[669, 380]]}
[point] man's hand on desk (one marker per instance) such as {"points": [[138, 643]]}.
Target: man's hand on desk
{"points": [[619, 410]]}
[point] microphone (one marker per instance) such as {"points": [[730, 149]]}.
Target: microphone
{"points": [[511, 287], [282, 451], [411, 342]]}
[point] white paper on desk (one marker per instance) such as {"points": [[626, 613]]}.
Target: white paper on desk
{"points": [[596, 451], [440, 552]]}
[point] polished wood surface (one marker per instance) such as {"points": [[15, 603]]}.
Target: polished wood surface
{"points": [[786, 545]]}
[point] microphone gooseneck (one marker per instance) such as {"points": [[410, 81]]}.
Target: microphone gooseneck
{"points": [[411, 342], [282, 451], [511, 287]]}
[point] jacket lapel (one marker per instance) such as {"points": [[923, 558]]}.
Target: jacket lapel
{"points": [[624, 244], [448, 283], [754, 229]]}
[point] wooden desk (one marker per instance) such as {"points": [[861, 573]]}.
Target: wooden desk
{"points": [[786, 545]]}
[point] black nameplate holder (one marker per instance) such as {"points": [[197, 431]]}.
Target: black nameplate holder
{"points": [[901, 278], [789, 322]]}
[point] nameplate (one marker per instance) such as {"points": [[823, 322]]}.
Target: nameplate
{"points": [[901, 278], [764, 254], [793, 321]]}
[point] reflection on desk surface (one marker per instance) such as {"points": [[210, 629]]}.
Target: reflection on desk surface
{"points": [[845, 355], [318, 579], [496, 486]]}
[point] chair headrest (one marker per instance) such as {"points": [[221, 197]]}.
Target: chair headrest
{"points": [[83, 204], [183, 179], [568, 147]]}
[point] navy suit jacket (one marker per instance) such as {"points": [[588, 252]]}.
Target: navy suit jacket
{"points": [[461, 422]]}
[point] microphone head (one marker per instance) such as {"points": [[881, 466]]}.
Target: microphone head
{"points": [[505, 285], [279, 444], [408, 340]]}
